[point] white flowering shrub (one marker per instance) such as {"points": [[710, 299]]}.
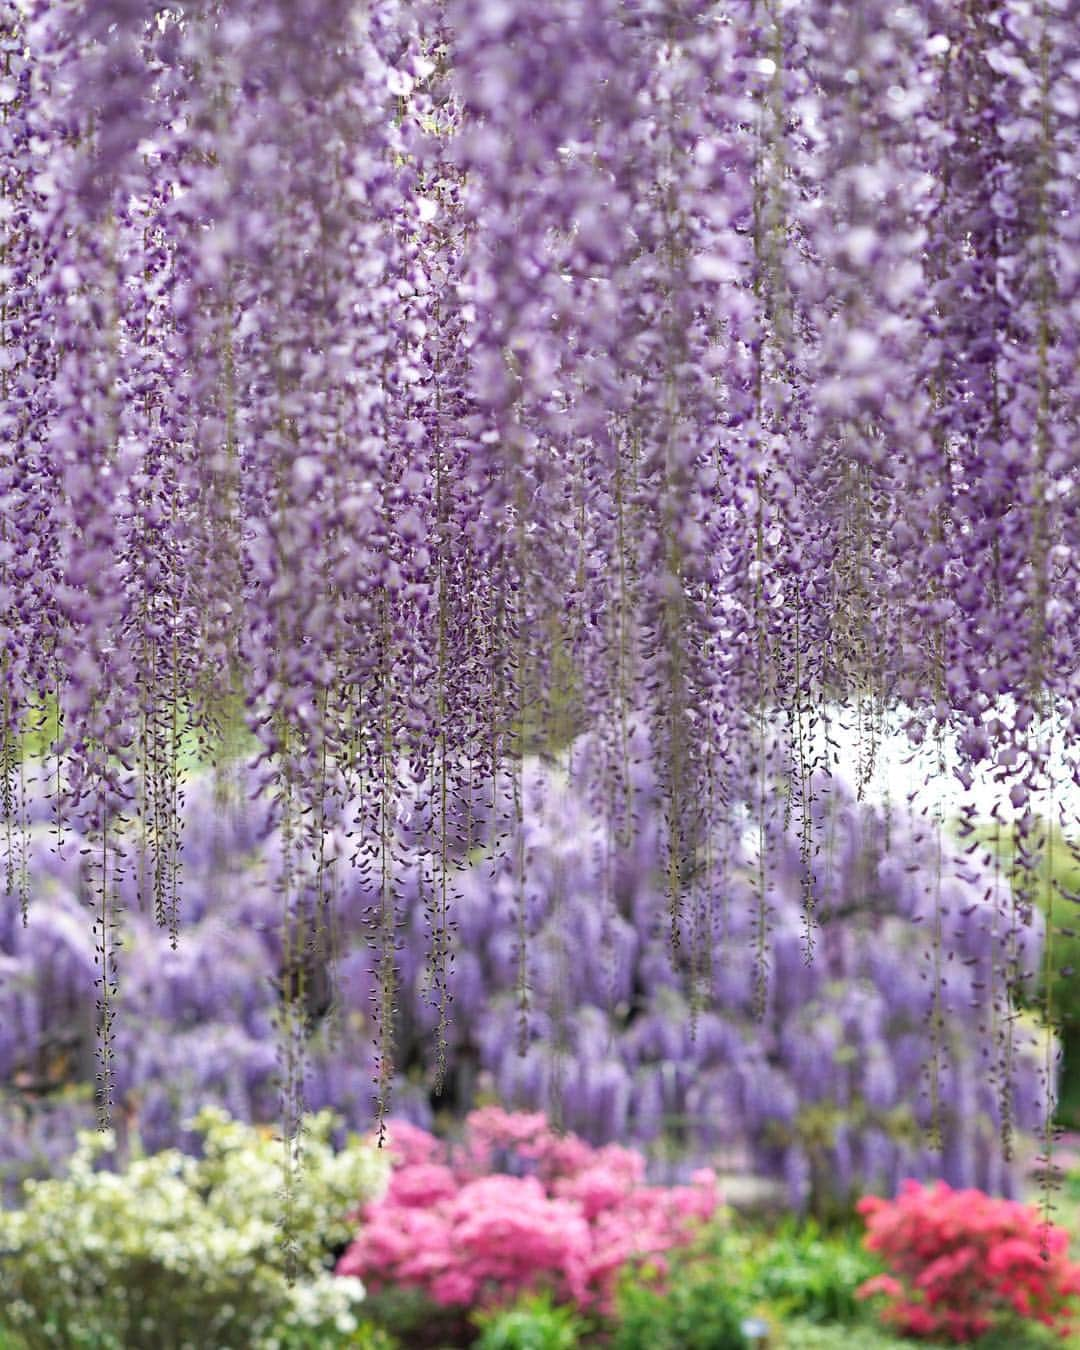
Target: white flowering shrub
{"points": [[178, 1252]]}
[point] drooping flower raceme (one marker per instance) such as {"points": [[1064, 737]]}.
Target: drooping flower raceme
{"points": [[425, 382], [826, 1089]]}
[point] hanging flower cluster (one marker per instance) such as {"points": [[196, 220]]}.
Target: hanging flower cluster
{"points": [[825, 1091], [429, 380]]}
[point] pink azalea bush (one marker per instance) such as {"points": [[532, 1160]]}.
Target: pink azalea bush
{"points": [[515, 1207], [963, 1262]]}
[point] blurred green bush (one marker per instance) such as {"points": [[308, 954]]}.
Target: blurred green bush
{"points": [[533, 1323], [803, 1273], [696, 1305], [1052, 884]]}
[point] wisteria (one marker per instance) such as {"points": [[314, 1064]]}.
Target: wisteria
{"points": [[418, 385], [825, 1091]]}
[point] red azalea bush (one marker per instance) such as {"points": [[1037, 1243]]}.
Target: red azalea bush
{"points": [[515, 1207], [963, 1261]]}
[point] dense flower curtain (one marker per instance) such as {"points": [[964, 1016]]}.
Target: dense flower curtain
{"points": [[423, 384]]}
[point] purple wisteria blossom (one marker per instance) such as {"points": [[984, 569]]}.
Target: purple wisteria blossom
{"points": [[427, 382], [826, 1089]]}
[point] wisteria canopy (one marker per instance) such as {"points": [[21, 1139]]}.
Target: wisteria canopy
{"points": [[426, 382]]}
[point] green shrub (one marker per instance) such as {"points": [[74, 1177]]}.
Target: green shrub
{"points": [[364, 1336], [695, 1308], [1020, 1336], [368, 1336], [1051, 885], [531, 1324], [412, 1318], [179, 1251], [817, 1336], [802, 1273]]}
